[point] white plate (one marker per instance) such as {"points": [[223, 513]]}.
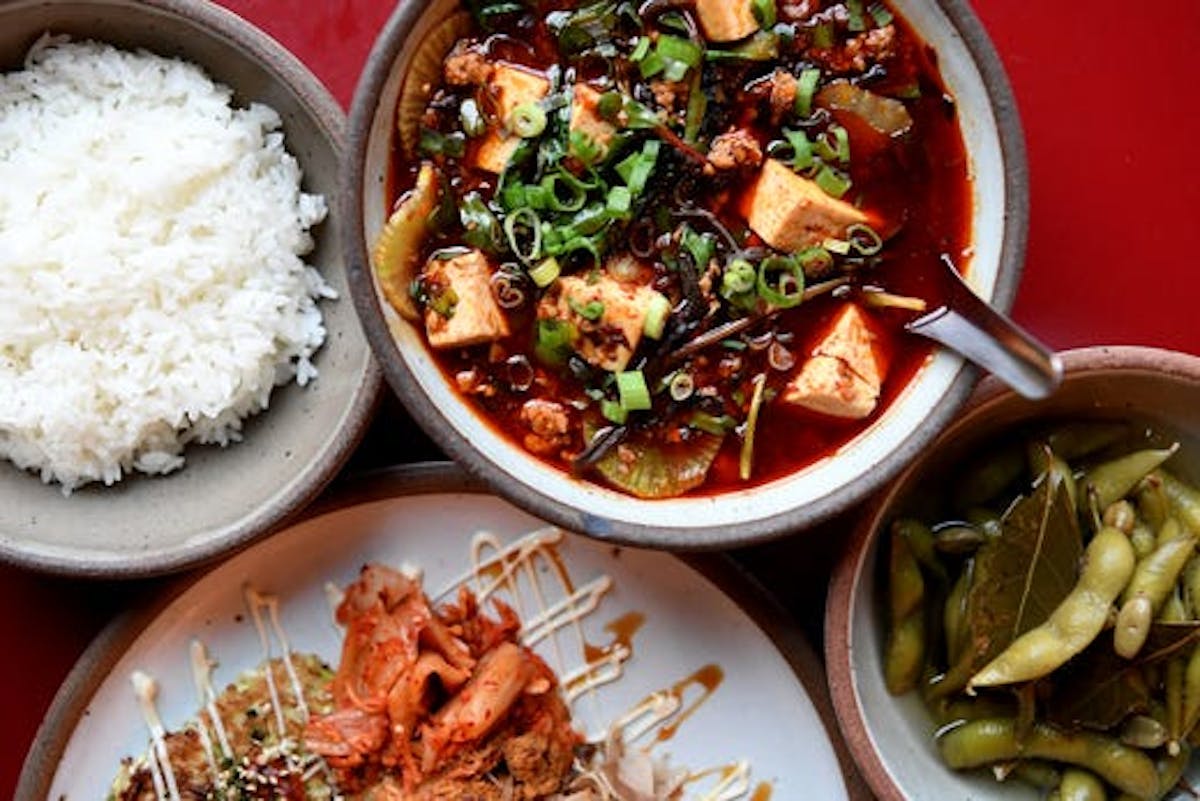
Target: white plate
{"points": [[761, 711]]}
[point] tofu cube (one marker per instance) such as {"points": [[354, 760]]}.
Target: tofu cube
{"points": [[792, 213], [586, 119], [510, 87], [726, 20], [609, 341], [474, 316], [844, 375]]}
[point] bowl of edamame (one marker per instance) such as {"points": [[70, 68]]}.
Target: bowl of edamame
{"points": [[1018, 614]]}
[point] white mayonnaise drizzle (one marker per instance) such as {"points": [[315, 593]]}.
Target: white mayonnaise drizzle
{"points": [[202, 668], [146, 690]]}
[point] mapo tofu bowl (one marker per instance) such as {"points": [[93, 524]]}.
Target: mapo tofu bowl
{"points": [[645, 268], [942, 687]]}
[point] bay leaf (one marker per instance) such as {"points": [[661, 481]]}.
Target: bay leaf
{"points": [[1098, 689], [1022, 575]]}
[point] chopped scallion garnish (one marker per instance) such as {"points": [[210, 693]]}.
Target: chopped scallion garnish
{"points": [[834, 144], [806, 88], [764, 12], [632, 389], [815, 261], [832, 182], [545, 273], [856, 22], [640, 49], [620, 202], [523, 229], [591, 311], [657, 313], [881, 15], [682, 386], [717, 425], [781, 281], [613, 411], [527, 120], [864, 239], [839, 246], [822, 35], [739, 277]]}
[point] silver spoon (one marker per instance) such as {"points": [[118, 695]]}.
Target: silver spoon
{"points": [[969, 326]]}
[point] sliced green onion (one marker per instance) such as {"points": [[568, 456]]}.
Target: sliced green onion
{"points": [[682, 386], [527, 120], [864, 239], [717, 425], [802, 150], [856, 23], [881, 15], [815, 260], [652, 64], [591, 311], [675, 48], [640, 49], [781, 282], [583, 147], [635, 395], [806, 87], [554, 341], [620, 202], [609, 105], [839, 246], [472, 119], [746, 463], [834, 144], [524, 221], [614, 412], [701, 247], [657, 313], [764, 12], [833, 182], [739, 277], [545, 273], [564, 192], [762, 46], [635, 170], [733, 344]]}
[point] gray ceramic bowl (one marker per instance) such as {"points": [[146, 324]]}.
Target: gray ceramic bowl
{"points": [[222, 498], [996, 151], [890, 738]]}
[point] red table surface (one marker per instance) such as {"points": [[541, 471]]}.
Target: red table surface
{"points": [[1108, 95]]}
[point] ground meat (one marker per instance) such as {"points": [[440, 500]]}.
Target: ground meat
{"points": [[872, 47], [735, 150], [669, 94], [548, 425], [783, 95], [798, 10], [467, 66]]}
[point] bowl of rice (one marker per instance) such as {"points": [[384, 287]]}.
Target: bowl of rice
{"points": [[180, 366]]}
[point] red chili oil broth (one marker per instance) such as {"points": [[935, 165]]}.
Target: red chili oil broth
{"points": [[933, 205]]}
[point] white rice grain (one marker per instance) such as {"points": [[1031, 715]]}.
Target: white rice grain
{"points": [[152, 290]]}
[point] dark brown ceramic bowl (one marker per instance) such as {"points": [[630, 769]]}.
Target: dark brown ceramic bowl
{"points": [[995, 147], [222, 498], [891, 738]]}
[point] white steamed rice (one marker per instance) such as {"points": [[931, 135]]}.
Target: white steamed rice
{"points": [[152, 291]]}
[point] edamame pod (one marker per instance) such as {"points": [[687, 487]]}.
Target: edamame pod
{"points": [[1133, 626], [904, 653], [1113, 480], [1155, 576], [1184, 499], [1108, 564], [1081, 785], [983, 742], [1121, 515], [921, 543], [955, 614], [987, 477]]}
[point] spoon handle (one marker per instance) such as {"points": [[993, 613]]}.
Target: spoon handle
{"points": [[991, 340]]}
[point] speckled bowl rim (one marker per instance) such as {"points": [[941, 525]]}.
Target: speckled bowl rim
{"points": [[72, 699], [363, 400], [387, 49], [844, 583]]}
